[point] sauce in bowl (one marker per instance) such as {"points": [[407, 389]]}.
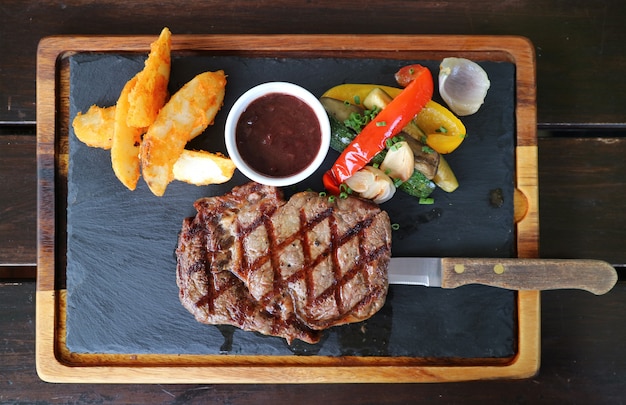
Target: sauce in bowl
{"points": [[278, 135]]}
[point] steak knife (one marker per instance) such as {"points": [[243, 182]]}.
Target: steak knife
{"points": [[595, 276]]}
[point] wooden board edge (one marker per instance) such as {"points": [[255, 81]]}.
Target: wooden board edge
{"points": [[528, 185], [46, 127], [50, 368]]}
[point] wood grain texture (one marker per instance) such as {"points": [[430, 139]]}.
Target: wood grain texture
{"points": [[595, 276], [56, 364], [18, 185], [583, 361], [583, 189], [573, 43]]}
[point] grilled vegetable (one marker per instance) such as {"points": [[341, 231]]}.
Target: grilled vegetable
{"points": [[387, 123], [426, 160], [340, 135], [373, 184], [445, 178], [340, 110], [418, 185], [435, 125]]}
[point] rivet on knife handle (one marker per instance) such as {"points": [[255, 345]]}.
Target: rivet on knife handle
{"points": [[595, 276]]}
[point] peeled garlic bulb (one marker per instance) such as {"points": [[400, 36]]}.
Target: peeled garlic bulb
{"points": [[463, 85]]}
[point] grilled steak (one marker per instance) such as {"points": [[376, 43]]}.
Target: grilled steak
{"points": [[283, 268]]}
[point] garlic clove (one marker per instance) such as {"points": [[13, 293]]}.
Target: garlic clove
{"points": [[399, 161], [361, 181], [463, 85], [386, 191], [373, 184]]}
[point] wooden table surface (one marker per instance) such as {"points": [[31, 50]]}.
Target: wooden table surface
{"points": [[581, 111]]}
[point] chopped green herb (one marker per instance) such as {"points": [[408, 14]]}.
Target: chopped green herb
{"points": [[442, 130], [381, 124], [356, 121], [427, 149], [427, 201], [397, 182], [357, 100]]}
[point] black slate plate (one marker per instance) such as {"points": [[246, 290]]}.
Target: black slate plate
{"points": [[121, 290]]}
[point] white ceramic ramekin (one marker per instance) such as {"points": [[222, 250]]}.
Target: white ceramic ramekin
{"points": [[261, 90]]}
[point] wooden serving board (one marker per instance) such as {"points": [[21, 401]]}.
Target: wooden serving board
{"points": [[58, 360]]}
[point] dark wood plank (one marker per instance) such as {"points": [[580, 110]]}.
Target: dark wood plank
{"points": [[583, 361], [18, 205], [582, 190], [574, 43]]}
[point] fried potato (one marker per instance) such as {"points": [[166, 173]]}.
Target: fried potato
{"points": [[150, 93], [126, 143], [186, 115], [95, 127], [202, 168]]}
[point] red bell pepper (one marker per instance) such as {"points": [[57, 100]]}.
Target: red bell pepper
{"points": [[388, 123]]}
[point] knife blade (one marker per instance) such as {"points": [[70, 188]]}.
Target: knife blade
{"points": [[595, 276]]}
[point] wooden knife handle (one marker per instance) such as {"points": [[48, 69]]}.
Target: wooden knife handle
{"points": [[595, 276]]}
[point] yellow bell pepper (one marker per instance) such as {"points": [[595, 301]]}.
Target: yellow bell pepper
{"points": [[439, 127]]}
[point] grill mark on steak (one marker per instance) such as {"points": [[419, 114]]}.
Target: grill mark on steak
{"points": [[340, 250]]}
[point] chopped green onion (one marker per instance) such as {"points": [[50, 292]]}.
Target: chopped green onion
{"points": [[331, 198], [322, 193], [427, 149], [357, 100], [397, 182], [427, 201], [442, 130], [343, 187], [395, 227], [381, 124]]}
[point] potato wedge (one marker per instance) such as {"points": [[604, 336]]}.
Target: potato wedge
{"points": [[202, 168], [150, 93], [186, 115], [126, 143], [95, 127]]}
